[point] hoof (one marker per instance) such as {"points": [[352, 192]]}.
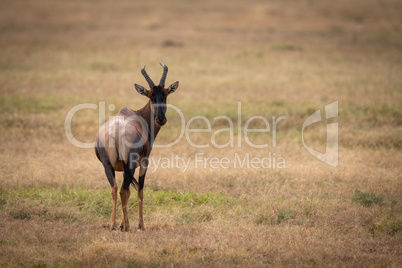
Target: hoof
{"points": [[124, 229], [112, 227], [109, 227]]}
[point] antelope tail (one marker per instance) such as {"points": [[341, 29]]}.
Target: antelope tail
{"points": [[127, 170]]}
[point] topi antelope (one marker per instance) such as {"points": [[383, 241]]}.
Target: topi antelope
{"points": [[125, 142]]}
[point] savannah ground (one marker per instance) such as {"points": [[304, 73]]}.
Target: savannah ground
{"points": [[277, 58]]}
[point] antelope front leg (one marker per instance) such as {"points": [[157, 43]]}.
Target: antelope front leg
{"points": [[114, 197], [141, 180], [140, 209]]}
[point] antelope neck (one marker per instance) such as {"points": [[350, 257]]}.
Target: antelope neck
{"points": [[148, 116]]}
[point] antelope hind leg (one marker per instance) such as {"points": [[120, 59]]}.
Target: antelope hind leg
{"points": [[124, 196]]}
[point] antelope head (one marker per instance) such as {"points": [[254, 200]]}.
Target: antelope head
{"points": [[157, 94]]}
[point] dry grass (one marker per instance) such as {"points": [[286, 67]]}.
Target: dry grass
{"points": [[277, 58]]}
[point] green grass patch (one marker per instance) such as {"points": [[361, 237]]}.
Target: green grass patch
{"points": [[197, 216], [367, 199], [168, 199], [78, 204], [30, 104], [389, 226], [20, 214], [59, 204], [388, 223], [286, 47], [284, 215]]}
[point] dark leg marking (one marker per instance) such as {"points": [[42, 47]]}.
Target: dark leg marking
{"points": [[141, 182]]}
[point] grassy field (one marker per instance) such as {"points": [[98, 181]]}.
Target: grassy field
{"points": [[277, 58]]}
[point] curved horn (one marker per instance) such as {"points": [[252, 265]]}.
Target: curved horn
{"points": [[149, 80], [165, 71]]}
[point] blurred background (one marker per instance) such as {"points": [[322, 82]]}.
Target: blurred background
{"points": [[278, 58]]}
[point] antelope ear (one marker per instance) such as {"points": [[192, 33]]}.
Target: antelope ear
{"points": [[141, 90], [173, 87]]}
